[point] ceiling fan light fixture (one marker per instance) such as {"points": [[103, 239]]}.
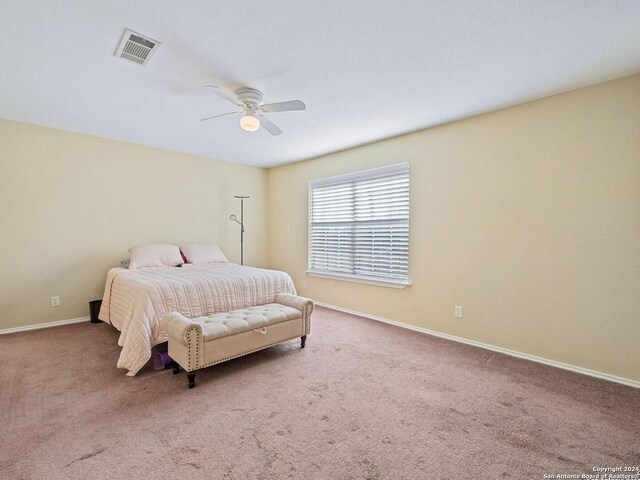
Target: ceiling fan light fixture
{"points": [[249, 123]]}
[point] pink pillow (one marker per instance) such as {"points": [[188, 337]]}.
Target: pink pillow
{"points": [[142, 256], [203, 253]]}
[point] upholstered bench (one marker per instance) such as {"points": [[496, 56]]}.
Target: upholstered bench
{"points": [[196, 343]]}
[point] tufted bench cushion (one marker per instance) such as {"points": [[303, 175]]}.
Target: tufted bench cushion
{"points": [[199, 342]]}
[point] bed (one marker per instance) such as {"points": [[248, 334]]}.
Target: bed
{"points": [[135, 300]]}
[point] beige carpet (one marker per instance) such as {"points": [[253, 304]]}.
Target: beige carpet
{"points": [[364, 400]]}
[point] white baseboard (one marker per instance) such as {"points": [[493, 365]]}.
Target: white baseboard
{"points": [[38, 326], [512, 353]]}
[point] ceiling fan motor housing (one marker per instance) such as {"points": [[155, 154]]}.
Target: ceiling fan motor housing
{"points": [[250, 96]]}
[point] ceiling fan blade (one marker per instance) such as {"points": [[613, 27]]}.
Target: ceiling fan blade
{"points": [[269, 126], [222, 93], [289, 106], [221, 115]]}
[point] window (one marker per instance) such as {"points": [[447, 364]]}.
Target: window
{"points": [[359, 226]]}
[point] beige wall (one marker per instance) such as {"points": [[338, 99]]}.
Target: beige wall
{"points": [[528, 217], [71, 205]]}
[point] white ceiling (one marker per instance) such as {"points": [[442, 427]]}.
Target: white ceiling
{"points": [[367, 70]]}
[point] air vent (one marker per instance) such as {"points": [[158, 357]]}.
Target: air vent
{"points": [[136, 48]]}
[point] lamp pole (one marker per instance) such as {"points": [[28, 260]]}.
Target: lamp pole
{"points": [[234, 218]]}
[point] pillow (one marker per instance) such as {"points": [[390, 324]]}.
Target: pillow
{"points": [[142, 256], [203, 253]]}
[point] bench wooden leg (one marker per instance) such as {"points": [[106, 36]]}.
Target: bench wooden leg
{"points": [[191, 377], [303, 340], [176, 368]]}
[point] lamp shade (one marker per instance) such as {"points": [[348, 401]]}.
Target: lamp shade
{"points": [[249, 123]]}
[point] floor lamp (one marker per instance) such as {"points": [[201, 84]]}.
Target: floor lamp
{"points": [[234, 218]]}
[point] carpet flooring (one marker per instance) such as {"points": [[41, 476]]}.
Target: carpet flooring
{"points": [[363, 400]]}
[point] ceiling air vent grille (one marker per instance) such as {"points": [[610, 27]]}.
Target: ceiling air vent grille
{"points": [[136, 48]]}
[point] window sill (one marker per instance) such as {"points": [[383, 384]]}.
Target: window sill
{"points": [[358, 279]]}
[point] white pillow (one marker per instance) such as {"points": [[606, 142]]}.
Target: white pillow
{"points": [[142, 256], [203, 253]]}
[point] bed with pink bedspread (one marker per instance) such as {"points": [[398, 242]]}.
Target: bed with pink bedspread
{"points": [[134, 301]]}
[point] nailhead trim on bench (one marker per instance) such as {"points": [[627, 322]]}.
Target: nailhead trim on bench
{"points": [[243, 353], [307, 316], [191, 343]]}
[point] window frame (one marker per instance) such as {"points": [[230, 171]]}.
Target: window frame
{"points": [[359, 175]]}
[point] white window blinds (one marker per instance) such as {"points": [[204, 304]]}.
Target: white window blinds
{"points": [[359, 225]]}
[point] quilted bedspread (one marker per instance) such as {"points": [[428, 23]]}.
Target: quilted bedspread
{"points": [[135, 300]]}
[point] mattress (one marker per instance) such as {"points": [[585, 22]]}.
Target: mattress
{"points": [[135, 300]]}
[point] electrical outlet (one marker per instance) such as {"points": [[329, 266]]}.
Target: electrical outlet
{"points": [[288, 230], [304, 284], [458, 311], [55, 301]]}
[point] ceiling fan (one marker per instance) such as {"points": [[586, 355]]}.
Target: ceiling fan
{"points": [[254, 109]]}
